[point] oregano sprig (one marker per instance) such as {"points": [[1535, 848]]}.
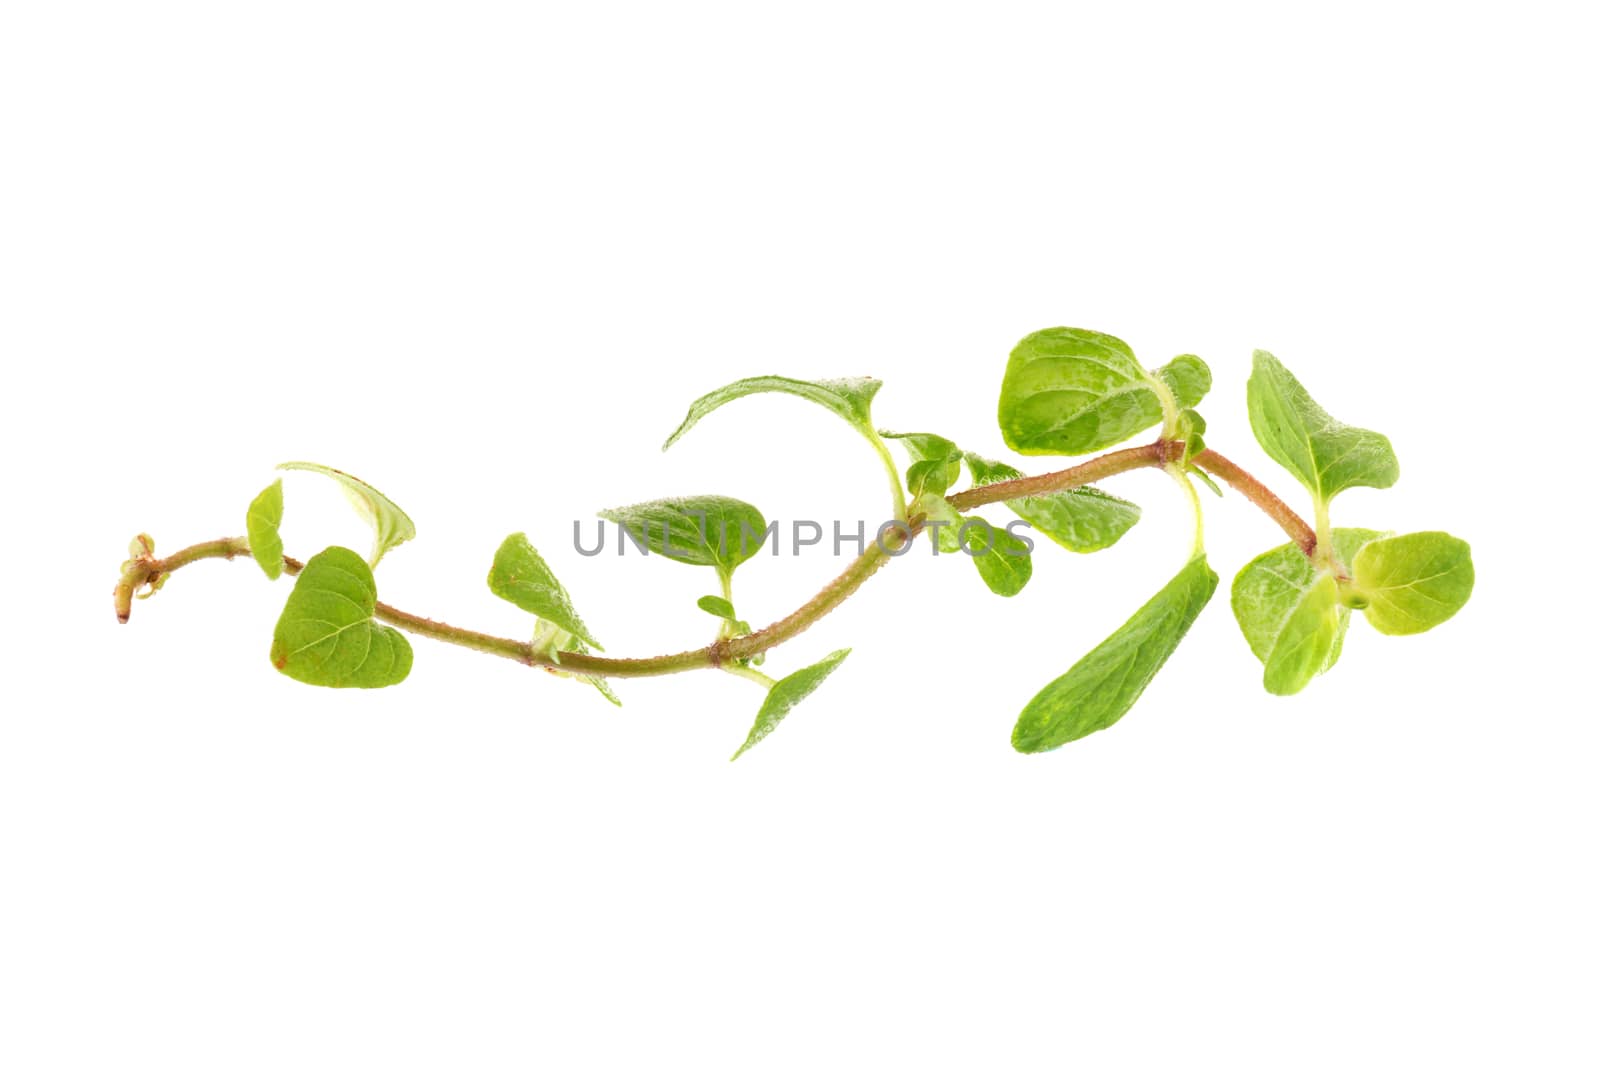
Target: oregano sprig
{"points": [[1064, 392]]}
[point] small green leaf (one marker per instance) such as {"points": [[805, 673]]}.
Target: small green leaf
{"points": [[1413, 582], [261, 521], [705, 531], [519, 574], [936, 461], [390, 525], [944, 520], [788, 692], [1283, 613], [1002, 558], [930, 477], [1306, 640], [848, 398], [1080, 520], [327, 635], [1327, 456], [1205, 479], [1191, 430], [716, 605], [1188, 378], [1103, 685], [556, 641], [1068, 391]]}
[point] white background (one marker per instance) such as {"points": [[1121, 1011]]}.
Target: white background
{"points": [[484, 257]]}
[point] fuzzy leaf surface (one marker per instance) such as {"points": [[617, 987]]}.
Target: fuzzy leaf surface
{"points": [[327, 634]]}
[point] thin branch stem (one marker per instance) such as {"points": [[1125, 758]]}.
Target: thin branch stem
{"points": [[1298, 530], [893, 541]]}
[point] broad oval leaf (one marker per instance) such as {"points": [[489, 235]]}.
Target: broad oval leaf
{"points": [[1080, 520], [519, 574], [1003, 559], [1413, 582], [1103, 685], [1327, 456], [261, 521], [327, 635], [848, 398], [706, 531], [786, 693], [390, 525], [1068, 391], [1285, 616]]}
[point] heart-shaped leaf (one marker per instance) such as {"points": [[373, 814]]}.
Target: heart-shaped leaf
{"points": [[327, 635], [390, 525], [1327, 456], [1081, 520], [261, 521], [786, 693], [1413, 582], [705, 531], [519, 574], [1068, 391], [1103, 685]]}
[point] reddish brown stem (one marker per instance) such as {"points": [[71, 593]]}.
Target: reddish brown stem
{"points": [[1299, 531]]}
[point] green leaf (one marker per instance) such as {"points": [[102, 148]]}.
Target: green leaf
{"points": [[936, 461], [943, 519], [848, 398], [1327, 456], [390, 525], [1069, 391], [519, 574], [326, 634], [1102, 686], [1413, 582], [716, 605], [1002, 558], [788, 692], [1188, 378], [1306, 639], [705, 531], [556, 641], [1191, 430], [1285, 615], [1080, 520], [261, 521]]}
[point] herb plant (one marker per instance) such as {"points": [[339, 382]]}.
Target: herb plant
{"points": [[1065, 392]]}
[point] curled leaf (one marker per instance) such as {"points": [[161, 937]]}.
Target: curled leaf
{"points": [[390, 525], [261, 521], [848, 398]]}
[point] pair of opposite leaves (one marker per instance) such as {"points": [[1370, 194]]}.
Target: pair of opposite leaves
{"points": [[1072, 391]]}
